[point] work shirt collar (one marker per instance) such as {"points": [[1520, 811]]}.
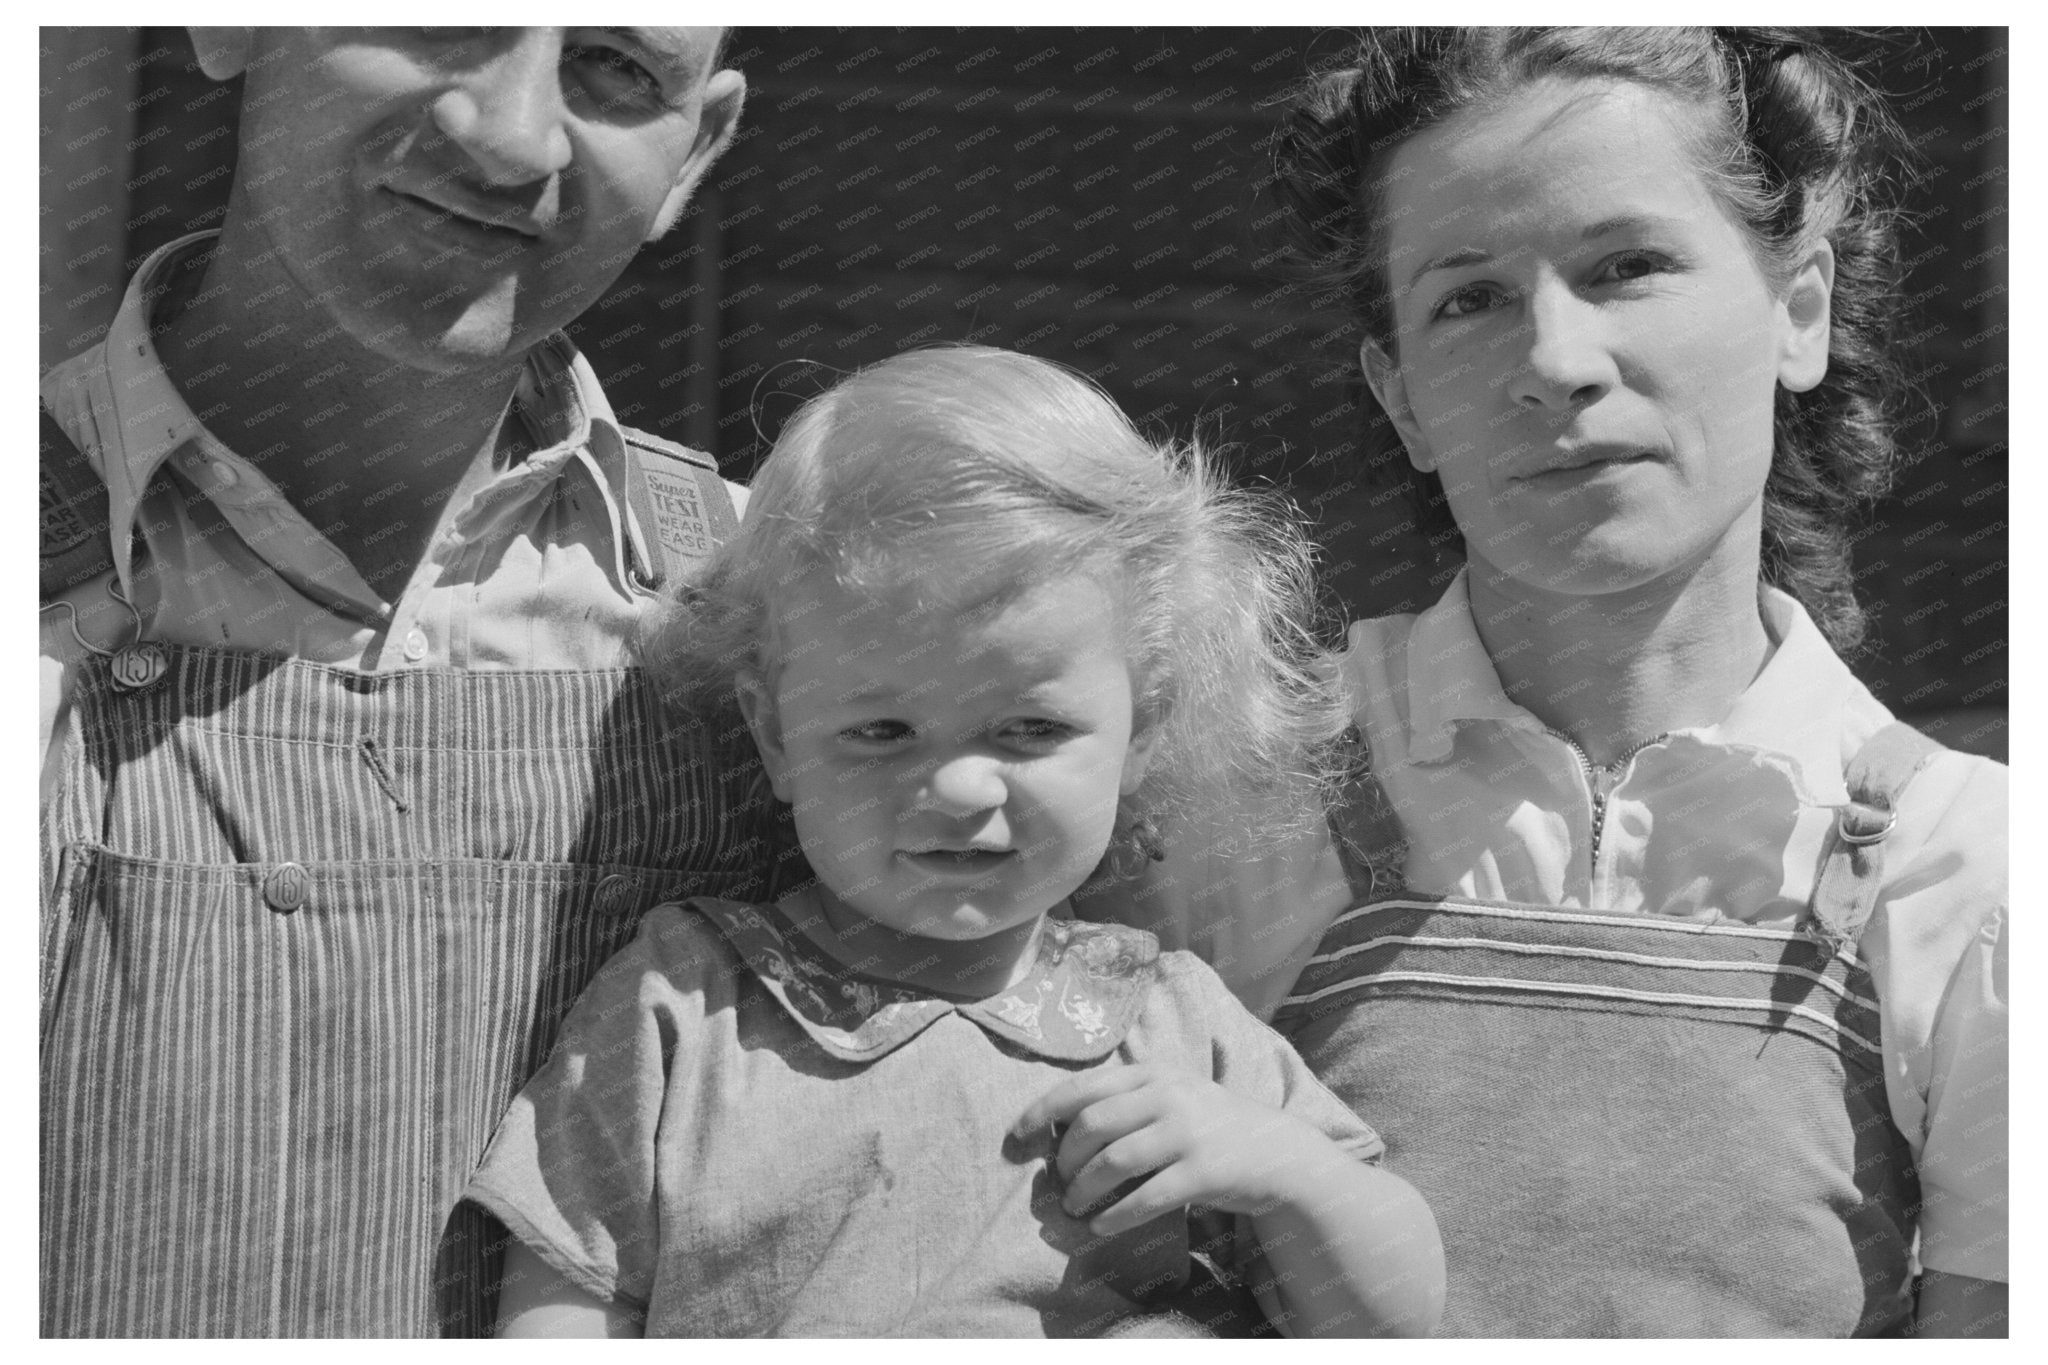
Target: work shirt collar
{"points": [[558, 397]]}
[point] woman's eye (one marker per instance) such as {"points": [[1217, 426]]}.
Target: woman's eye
{"points": [[876, 732], [1467, 300], [1632, 265]]}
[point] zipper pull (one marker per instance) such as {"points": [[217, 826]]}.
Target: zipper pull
{"points": [[1603, 780]]}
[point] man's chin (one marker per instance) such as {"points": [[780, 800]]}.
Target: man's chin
{"points": [[484, 335]]}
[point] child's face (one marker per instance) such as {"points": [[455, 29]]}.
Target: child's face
{"points": [[951, 777]]}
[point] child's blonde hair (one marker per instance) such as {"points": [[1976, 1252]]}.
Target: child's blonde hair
{"points": [[968, 455]]}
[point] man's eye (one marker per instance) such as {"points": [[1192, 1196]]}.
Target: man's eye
{"points": [[617, 80]]}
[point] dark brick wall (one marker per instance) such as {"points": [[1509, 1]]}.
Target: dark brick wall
{"points": [[1091, 196]]}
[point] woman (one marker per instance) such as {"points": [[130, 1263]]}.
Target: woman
{"points": [[1675, 974]]}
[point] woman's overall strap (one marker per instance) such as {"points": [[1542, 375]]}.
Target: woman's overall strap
{"points": [[1852, 870], [1364, 824]]}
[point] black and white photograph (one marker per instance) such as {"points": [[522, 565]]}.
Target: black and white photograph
{"points": [[1023, 682]]}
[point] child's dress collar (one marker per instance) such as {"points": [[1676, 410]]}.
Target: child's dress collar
{"points": [[1080, 998]]}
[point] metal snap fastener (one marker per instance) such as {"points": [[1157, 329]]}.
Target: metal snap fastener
{"points": [[286, 887], [415, 644], [138, 666]]}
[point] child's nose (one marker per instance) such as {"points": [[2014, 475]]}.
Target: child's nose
{"points": [[964, 784]]}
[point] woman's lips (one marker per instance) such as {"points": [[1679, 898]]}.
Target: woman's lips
{"points": [[1581, 462]]}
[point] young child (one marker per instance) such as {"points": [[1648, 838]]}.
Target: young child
{"points": [[985, 639]]}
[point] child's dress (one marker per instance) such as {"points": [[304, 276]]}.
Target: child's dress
{"points": [[741, 1138]]}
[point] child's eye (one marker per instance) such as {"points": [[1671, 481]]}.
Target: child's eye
{"points": [[1036, 732], [876, 732], [1466, 300]]}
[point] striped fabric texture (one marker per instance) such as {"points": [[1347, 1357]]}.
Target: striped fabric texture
{"points": [[1684, 1122], [1564, 959], [306, 931]]}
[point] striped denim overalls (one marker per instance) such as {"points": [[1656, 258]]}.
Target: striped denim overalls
{"points": [[306, 932], [1628, 1125]]}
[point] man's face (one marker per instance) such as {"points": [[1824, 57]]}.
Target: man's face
{"points": [[449, 197]]}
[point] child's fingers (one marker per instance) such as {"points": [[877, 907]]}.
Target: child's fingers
{"points": [[1170, 1191], [1061, 1103], [1101, 1124], [1137, 1153]]}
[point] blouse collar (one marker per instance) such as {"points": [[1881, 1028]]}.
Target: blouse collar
{"points": [[1794, 706], [1079, 999]]}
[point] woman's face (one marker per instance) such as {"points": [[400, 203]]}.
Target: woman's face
{"points": [[1587, 354]]}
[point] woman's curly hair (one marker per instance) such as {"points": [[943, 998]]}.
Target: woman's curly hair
{"points": [[1799, 146], [952, 479]]}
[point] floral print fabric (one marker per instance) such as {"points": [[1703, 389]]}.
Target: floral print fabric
{"points": [[1075, 1005]]}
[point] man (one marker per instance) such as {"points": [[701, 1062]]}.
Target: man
{"points": [[350, 780]]}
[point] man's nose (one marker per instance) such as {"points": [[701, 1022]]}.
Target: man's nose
{"points": [[508, 113], [1568, 362]]}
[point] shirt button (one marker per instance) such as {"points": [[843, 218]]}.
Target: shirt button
{"points": [[224, 474], [284, 890], [415, 644]]}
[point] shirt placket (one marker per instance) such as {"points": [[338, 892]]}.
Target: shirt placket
{"points": [[427, 628]]}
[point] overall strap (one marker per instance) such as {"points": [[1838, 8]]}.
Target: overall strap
{"points": [[675, 494], [1364, 824], [72, 527], [1852, 869]]}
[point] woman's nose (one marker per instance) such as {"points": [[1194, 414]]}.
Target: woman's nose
{"points": [[964, 784], [508, 113], [1568, 362]]}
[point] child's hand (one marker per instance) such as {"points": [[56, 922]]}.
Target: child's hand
{"points": [[1199, 1143]]}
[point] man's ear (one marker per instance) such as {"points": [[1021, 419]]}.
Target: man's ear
{"points": [[1383, 377], [1809, 313], [717, 119], [223, 52], [757, 706]]}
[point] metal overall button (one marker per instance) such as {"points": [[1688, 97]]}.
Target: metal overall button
{"points": [[613, 892], [1859, 824], [286, 887], [138, 666]]}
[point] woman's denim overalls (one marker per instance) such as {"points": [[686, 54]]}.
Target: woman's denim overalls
{"points": [[1629, 1126]]}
